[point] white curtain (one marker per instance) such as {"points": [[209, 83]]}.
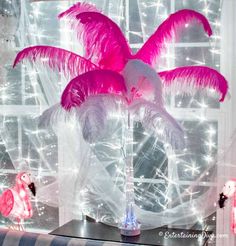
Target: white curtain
{"points": [[227, 164]]}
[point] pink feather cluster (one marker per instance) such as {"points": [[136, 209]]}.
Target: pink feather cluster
{"points": [[108, 54]]}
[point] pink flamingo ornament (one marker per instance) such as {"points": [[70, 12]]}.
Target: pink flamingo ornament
{"points": [[15, 202], [229, 191]]}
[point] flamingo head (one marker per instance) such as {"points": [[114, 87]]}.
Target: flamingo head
{"points": [[24, 179], [227, 192]]}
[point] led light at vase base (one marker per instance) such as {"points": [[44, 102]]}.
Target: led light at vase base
{"points": [[111, 78], [229, 191], [130, 226], [15, 202]]}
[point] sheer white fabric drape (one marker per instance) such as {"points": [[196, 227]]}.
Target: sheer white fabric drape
{"points": [[227, 164]]}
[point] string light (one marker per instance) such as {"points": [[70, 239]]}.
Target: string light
{"points": [[193, 169]]}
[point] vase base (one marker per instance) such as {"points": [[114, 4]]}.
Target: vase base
{"points": [[130, 232]]}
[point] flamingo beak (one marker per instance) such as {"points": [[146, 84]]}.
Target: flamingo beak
{"points": [[222, 200], [32, 188]]}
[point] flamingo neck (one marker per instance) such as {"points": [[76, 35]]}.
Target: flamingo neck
{"points": [[19, 188], [234, 200]]}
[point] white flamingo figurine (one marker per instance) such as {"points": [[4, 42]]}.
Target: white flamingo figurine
{"points": [[15, 202], [229, 191]]}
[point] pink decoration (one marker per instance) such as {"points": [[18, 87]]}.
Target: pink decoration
{"points": [[229, 191], [192, 78], [104, 43], [107, 49], [92, 83], [15, 202], [151, 50], [56, 58]]}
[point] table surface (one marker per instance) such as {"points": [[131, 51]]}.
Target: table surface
{"points": [[159, 236]]}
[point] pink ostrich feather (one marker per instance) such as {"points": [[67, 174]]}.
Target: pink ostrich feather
{"points": [[92, 83], [77, 9], [104, 43], [151, 50], [58, 59], [192, 78]]}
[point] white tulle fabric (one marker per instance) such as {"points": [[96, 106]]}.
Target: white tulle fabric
{"points": [[91, 178]]}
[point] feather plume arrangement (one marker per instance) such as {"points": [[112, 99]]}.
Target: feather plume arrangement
{"points": [[109, 69]]}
